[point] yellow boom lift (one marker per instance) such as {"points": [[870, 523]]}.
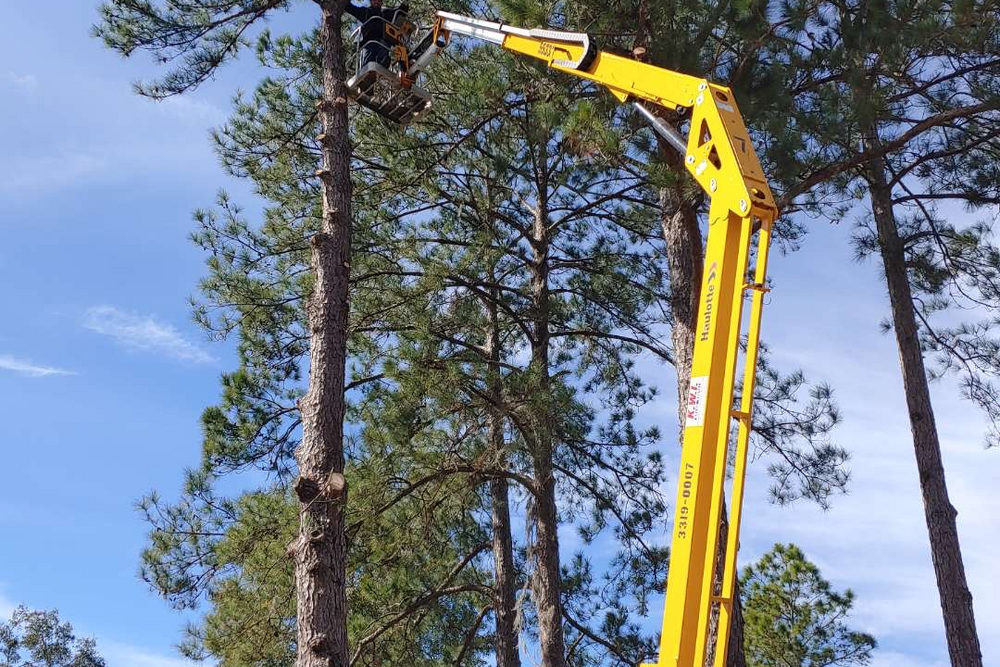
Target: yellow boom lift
{"points": [[720, 157]]}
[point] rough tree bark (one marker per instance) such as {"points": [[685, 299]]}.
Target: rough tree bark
{"points": [[320, 551], [684, 249], [504, 601], [546, 581], [946, 553], [685, 259], [505, 584]]}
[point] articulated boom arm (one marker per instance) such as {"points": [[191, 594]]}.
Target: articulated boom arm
{"points": [[721, 159], [718, 151]]}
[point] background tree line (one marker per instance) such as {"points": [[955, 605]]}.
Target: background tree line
{"points": [[469, 298]]}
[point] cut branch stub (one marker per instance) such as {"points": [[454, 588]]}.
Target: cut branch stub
{"points": [[326, 105], [320, 238], [306, 489], [333, 489], [336, 486], [320, 645]]}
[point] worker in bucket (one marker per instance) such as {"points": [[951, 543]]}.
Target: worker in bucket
{"points": [[373, 44]]}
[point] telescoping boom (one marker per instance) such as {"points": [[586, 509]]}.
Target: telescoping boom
{"points": [[718, 154]]}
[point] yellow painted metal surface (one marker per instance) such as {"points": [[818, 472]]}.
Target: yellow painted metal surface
{"points": [[720, 155], [722, 160], [758, 288]]}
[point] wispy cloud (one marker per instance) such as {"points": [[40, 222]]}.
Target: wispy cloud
{"points": [[32, 173], [144, 332], [7, 607], [24, 82], [895, 659], [191, 109], [125, 655], [29, 369]]}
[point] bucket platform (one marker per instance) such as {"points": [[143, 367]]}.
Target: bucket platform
{"points": [[382, 91]]}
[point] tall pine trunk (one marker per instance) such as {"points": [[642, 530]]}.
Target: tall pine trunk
{"points": [[685, 263], [946, 552], [684, 249], [320, 551], [505, 585], [546, 580], [504, 601]]}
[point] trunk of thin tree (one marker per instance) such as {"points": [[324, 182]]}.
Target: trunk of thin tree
{"points": [[685, 259], [320, 551], [546, 581], [505, 584], [504, 600], [946, 552], [685, 262]]}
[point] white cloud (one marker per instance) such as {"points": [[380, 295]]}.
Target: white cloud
{"points": [[7, 607], [24, 367], [191, 109], [144, 332], [895, 659], [19, 174], [117, 654], [23, 82]]}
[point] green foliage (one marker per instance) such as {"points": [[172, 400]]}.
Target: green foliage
{"points": [[794, 618], [201, 35], [516, 146], [39, 639], [252, 622], [901, 100], [796, 431], [793, 418], [232, 555], [446, 258]]}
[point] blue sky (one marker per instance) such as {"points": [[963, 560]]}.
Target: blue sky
{"points": [[103, 375]]}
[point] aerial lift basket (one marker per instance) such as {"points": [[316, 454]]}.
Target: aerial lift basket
{"points": [[378, 89], [391, 91]]}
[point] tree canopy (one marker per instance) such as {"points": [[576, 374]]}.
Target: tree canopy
{"points": [[795, 618], [40, 639]]}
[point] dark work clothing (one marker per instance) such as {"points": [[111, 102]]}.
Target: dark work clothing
{"points": [[374, 52], [372, 28]]}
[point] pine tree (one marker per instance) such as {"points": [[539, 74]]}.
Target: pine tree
{"points": [[794, 617], [40, 639], [781, 422], [203, 35], [887, 97], [477, 235], [231, 553]]}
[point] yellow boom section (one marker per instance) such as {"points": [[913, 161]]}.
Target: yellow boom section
{"points": [[720, 157]]}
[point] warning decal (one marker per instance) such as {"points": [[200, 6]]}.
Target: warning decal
{"points": [[695, 414]]}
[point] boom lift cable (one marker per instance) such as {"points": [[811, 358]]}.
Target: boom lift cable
{"points": [[718, 154]]}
